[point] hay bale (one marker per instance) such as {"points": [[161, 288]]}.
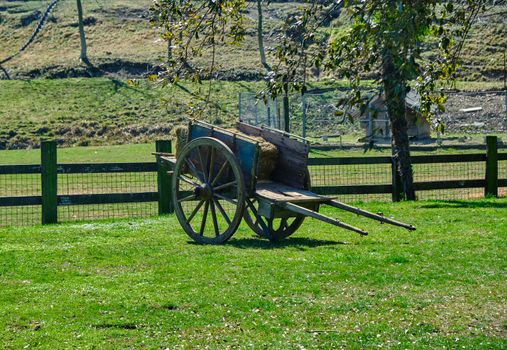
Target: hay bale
{"points": [[180, 133], [268, 157]]}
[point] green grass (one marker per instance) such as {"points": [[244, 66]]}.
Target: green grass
{"points": [[142, 284], [91, 154]]}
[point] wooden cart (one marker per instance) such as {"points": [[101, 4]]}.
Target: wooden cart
{"points": [[215, 185]]}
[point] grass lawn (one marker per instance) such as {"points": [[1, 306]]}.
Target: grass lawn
{"points": [[142, 284]]}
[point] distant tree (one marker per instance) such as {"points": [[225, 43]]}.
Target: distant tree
{"points": [[260, 35], [83, 56]]}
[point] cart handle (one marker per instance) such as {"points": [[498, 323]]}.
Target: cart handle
{"points": [[313, 214]]}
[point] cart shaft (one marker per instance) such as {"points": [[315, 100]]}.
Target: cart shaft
{"points": [[307, 212], [368, 214]]}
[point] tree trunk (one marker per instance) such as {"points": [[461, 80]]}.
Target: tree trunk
{"points": [[395, 90], [260, 36], [83, 56]]}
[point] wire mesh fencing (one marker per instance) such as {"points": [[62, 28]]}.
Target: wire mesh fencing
{"points": [[102, 184], [13, 185], [313, 115], [350, 178], [440, 172]]}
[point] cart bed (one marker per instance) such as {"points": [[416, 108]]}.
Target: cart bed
{"points": [[277, 192]]}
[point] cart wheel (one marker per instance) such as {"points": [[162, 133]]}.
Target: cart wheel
{"points": [[273, 229], [208, 191]]}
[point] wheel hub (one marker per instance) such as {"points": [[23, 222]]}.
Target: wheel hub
{"points": [[204, 192]]}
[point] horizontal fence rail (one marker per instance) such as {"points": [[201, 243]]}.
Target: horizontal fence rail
{"points": [[53, 192]]}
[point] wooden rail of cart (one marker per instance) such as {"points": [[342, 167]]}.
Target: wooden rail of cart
{"points": [[215, 185]]}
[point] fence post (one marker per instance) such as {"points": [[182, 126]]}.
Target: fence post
{"points": [[303, 115], [286, 113], [164, 180], [491, 187], [396, 180], [49, 182]]}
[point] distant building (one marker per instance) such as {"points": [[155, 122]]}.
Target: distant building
{"points": [[376, 124]]}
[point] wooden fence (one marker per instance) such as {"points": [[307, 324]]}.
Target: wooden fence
{"points": [[49, 199], [490, 181]]}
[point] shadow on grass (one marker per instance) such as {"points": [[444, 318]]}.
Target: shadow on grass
{"points": [[294, 242], [465, 204], [125, 326]]}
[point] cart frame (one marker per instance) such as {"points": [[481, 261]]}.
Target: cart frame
{"points": [[217, 171]]}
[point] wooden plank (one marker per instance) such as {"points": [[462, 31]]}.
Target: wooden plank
{"points": [[449, 184], [278, 192], [249, 129], [444, 158], [313, 214], [292, 155], [352, 189], [95, 168], [413, 148], [108, 198], [349, 160], [19, 169], [368, 214], [20, 201], [448, 158], [49, 181]]}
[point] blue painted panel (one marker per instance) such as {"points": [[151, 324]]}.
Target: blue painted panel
{"points": [[245, 153], [197, 130]]}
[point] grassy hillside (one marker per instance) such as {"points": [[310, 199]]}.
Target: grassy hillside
{"points": [[141, 284], [102, 111], [121, 40], [107, 111]]}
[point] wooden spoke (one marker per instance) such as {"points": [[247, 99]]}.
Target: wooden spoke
{"points": [[230, 200], [188, 198], [196, 209], [193, 169], [211, 163], [201, 162], [188, 181], [204, 217], [222, 168], [221, 210], [214, 217], [224, 186]]}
